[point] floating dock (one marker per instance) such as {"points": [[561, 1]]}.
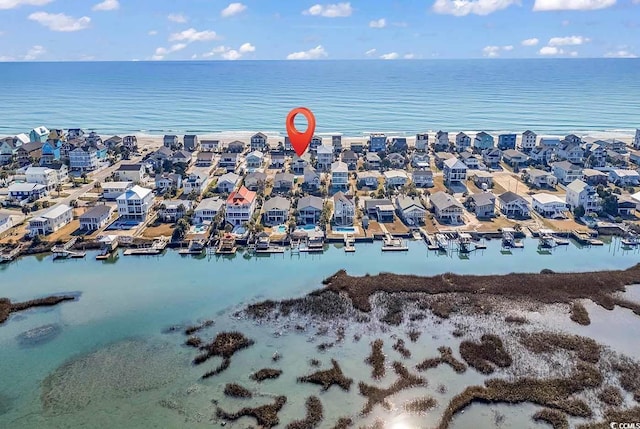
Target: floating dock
{"points": [[155, 248]]}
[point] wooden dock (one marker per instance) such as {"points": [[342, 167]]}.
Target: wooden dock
{"points": [[155, 248], [10, 254], [64, 251]]}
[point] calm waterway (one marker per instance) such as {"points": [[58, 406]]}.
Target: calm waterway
{"points": [[136, 297]]}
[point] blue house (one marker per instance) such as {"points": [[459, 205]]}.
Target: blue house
{"points": [[39, 134], [377, 142], [506, 141], [483, 141], [50, 152]]}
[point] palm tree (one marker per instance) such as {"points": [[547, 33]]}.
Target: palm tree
{"points": [[59, 189], [83, 176]]}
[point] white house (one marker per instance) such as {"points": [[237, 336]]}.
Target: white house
{"points": [[166, 181], [368, 179], [324, 158], [136, 173], [528, 141], [275, 210], [623, 177], [411, 210], [396, 177], [227, 182], [96, 217], [566, 172], [311, 179], [240, 206], [254, 160], [43, 176], [83, 159], [549, 205], [172, 210], [454, 170], [420, 160], [512, 204], [207, 210], [339, 175], [135, 203], [6, 222], [309, 210], [471, 161], [446, 208], [541, 178], [19, 192], [51, 220], [344, 209], [209, 145], [581, 194], [195, 183], [112, 190]]}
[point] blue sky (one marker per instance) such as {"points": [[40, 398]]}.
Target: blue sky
{"points": [[73, 30]]}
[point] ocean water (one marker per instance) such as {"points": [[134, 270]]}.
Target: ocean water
{"points": [[96, 354], [549, 96]]}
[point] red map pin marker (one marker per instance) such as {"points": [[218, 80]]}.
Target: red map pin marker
{"points": [[300, 141]]}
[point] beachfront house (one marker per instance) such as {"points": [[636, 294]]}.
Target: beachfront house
{"points": [[344, 209], [482, 142], [204, 159], [336, 143], [422, 141], [209, 145], [492, 157], [75, 133], [595, 177], [324, 158], [420, 160], [506, 141], [441, 144], [259, 142], [398, 144], [42, 175], [395, 178], [275, 211], [624, 178], [339, 176], [540, 178], [580, 193], [482, 179], [454, 171], [39, 134], [135, 203], [549, 205], [515, 158], [463, 142], [20, 193], [311, 180], [83, 159], [422, 178], [372, 161], [636, 139], [172, 210], [513, 205], [357, 147], [528, 141], [396, 160], [283, 182], [228, 161], [315, 143], [171, 141], [227, 182], [112, 190], [95, 217], [29, 153], [552, 142], [130, 142], [566, 172], [350, 158], [571, 152], [309, 210], [190, 142], [377, 142], [207, 210], [136, 173], [446, 208], [51, 220], [240, 206], [368, 179], [482, 204], [410, 210], [299, 163], [235, 146], [113, 142]]}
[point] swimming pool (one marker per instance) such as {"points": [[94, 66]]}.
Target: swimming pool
{"points": [[199, 229], [280, 229]]}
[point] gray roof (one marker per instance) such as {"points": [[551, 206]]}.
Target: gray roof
{"points": [[277, 203], [96, 212], [374, 202], [509, 197], [214, 204], [483, 198], [442, 200], [286, 177], [372, 157], [566, 165], [310, 201], [404, 202], [425, 173], [349, 154], [255, 176], [510, 153]]}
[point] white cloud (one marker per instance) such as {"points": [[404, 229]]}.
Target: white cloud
{"points": [[177, 17], [550, 50], [547, 5], [312, 54], [338, 10], [12, 4], [390, 56], [409, 56], [246, 48], [568, 41], [233, 9], [507, 48], [6, 58], [231, 55], [573, 53], [378, 23], [371, 52], [107, 5], [152, 33], [622, 53], [494, 51], [530, 42], [192, 35], [466, 7], [60, 21], [35, 52], [161, 52]]}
